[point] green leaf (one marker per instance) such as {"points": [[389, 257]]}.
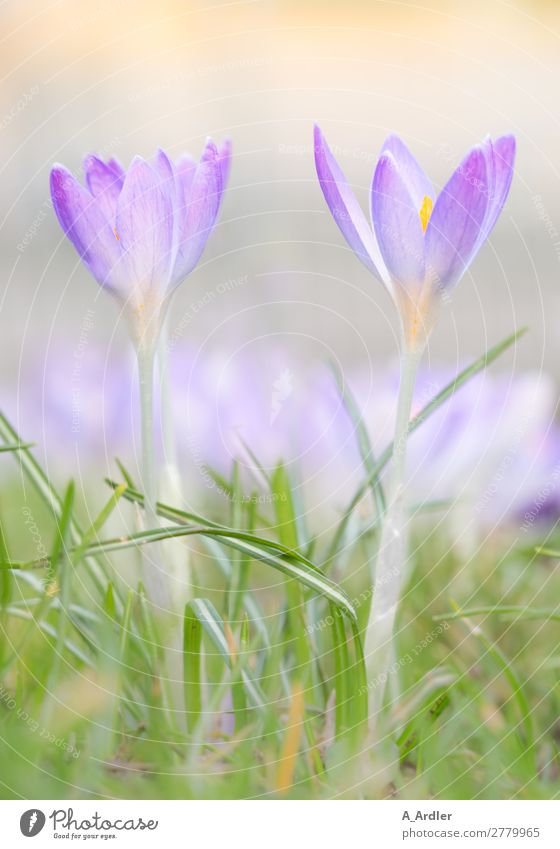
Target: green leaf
{"points": [[287, 530], [192, 641], [47, 628], [274, 554], [61, 562], [463, 377], [509, 611], [102, 517], [5, 577], [362, 436], [547, 552], [47, 492], [109, 601], [19, 446], [205, 612], [60, 543], [213, 627], [518, 691]]}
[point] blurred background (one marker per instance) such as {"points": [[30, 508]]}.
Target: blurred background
{"points": [[278, 294]]}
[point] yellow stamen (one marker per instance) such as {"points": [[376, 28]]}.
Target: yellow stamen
{"points": [[117, 237], [426, 211]]}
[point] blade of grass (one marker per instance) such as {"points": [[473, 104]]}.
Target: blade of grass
{"points": [[506, 610], [53, 501], [192, 644], [181, 517], [123, 643], [214, 628], [5, 593], [286, 528], [239, 563], [285, 560], [547, 552], [49, 629], [62, 567], [238, 698], [518, 691], [99, 521], [362, 437], [58, 552], [341, 700]]}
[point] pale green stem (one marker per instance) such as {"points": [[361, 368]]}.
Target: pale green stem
{"points": [[176, 553], [154, 577], [172, 480], [168, 434], [148, 470], [392, 553]]}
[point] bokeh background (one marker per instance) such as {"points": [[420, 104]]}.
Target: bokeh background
{"points": [[278, 293]]}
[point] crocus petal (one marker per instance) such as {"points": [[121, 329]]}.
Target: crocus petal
{"points": [[456, 221], [86, 226], [411, 172], [116, 167], [185, 168], [105, 184], [144, 226], [346, 210], [224, 152], [500, 156], [397, 225], [165, 169], [198, 210], [169, 184]]}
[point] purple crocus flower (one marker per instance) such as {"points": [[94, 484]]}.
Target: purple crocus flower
{"points": [[140, 232], [419, 244]]}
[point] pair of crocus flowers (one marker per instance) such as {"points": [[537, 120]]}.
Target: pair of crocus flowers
{"points": [[141, 232]]}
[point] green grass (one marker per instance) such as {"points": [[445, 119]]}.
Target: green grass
{"points": [[256, 688]]}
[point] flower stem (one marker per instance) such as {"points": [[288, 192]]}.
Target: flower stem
{"points": [[146, 381], [172, 481], [176, 554], [154, 577], [392, 553]]}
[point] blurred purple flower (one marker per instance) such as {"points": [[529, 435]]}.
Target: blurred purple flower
{"points": [[417, 244], [494, 446], [141, 232]]}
